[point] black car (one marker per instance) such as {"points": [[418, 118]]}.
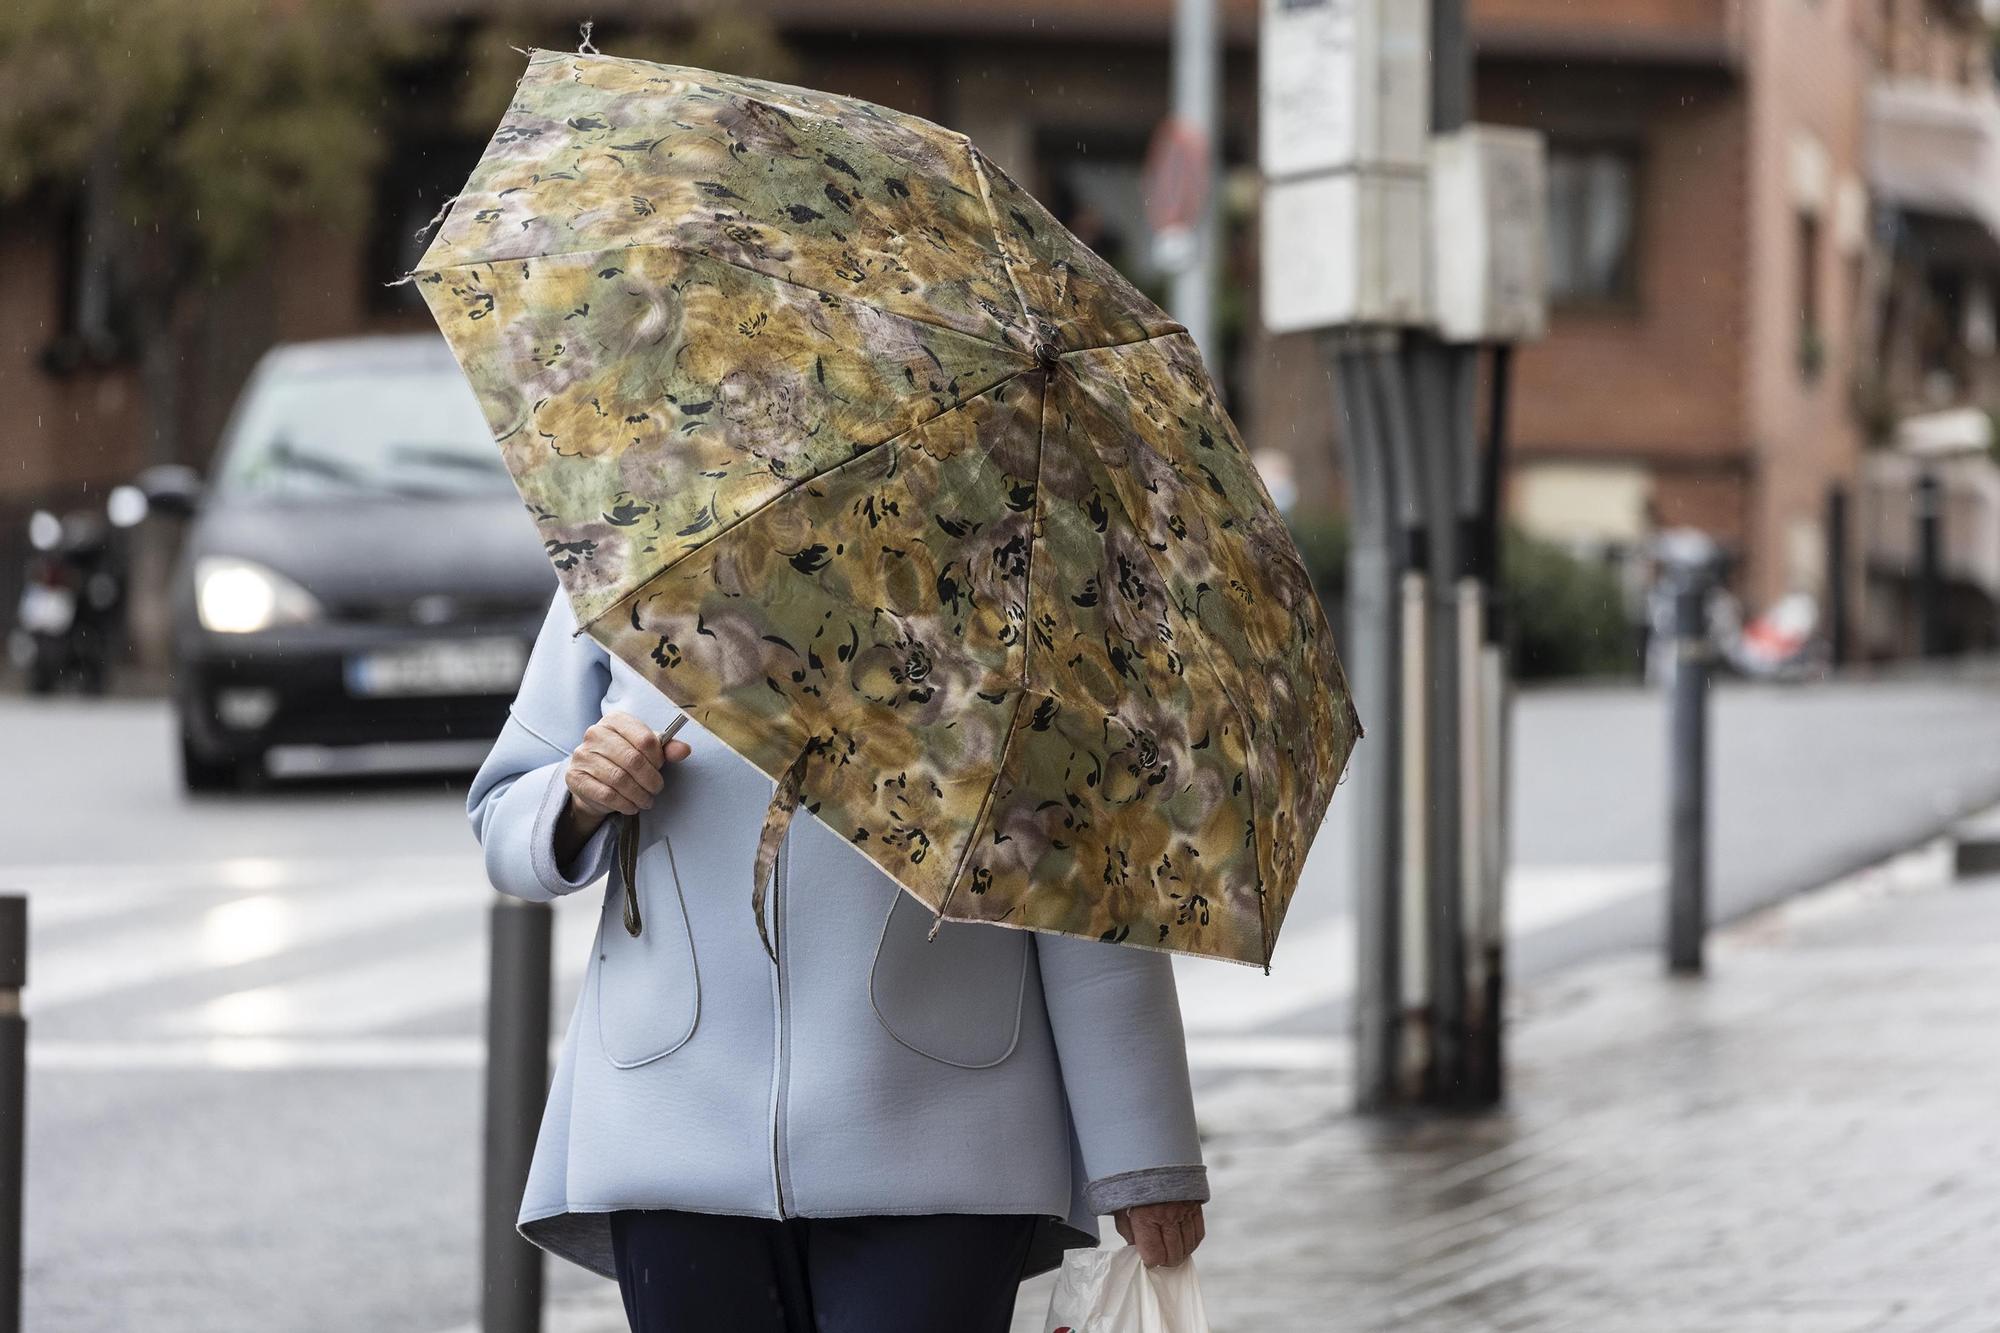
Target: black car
{"points": [[360, 571]]}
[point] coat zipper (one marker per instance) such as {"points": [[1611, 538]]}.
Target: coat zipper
{"points": [[780, 1020]]}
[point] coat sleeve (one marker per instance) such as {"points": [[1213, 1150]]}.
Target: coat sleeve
{"points": [[519, 791], [1117, 1025]]}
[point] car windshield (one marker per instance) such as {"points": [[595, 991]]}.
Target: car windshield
{"points": [[342, 434]]}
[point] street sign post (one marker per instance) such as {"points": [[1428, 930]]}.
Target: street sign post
{"points": [[1175, 185], [1197, 75]]}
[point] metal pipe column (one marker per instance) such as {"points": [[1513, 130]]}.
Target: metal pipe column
{"points": [[1397, 416], [1371, 652]]}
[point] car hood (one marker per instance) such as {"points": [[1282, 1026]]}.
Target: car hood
{"points": [[373, 553]]}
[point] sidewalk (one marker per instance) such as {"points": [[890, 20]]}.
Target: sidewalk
{"points": [[1808, 1139]]}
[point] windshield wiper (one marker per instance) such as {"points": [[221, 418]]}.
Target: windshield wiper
{"points": [[458, 460], [294, 459]]}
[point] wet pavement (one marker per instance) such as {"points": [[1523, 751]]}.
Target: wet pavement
{"points": [[1806, 1139]]}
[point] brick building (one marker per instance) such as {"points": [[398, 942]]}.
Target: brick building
{"points": [[1708, 221], [1725, 259], [1934, 393]]}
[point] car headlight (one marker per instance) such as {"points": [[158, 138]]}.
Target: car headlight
{"points": [[233, 596]]}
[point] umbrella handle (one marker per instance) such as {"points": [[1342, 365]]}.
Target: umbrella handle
{"points": [[628, 847]]}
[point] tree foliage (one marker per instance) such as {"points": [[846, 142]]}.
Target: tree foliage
{"points": [[211, 119], [1563, 615]]}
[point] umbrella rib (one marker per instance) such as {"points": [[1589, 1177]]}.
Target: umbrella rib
{"points": [[1177, 331], [793, 489], [1034, 533], [694, 253], [993, 220], [1208, 660], [985, 809], [1027, 647]]}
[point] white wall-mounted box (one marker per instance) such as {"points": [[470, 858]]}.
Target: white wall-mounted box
{"points": [[1342, 83], [1488, 235], [1343, 248]]}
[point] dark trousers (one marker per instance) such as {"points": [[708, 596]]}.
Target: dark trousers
{"points": [[705, 1273]]}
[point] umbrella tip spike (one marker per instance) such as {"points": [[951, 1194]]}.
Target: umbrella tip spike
{"points": [[583, 46]]}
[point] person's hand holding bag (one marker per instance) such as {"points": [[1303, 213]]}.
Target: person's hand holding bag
{"points": [[1165, 1234], [1114, 1291]]}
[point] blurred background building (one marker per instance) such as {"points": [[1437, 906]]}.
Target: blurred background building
{"points": [[1772, 246]]}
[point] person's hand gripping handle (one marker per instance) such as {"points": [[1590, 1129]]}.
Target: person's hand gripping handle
{"points": [[616, 770]]}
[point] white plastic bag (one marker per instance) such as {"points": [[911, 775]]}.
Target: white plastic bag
{"points": [[1110, 1291]]}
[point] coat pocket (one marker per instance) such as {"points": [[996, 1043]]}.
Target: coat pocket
{"points": [[956, 998], [647, 989]]}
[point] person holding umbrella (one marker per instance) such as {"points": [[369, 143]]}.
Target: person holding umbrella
{"points": [[878, 1131], [895, 502]]}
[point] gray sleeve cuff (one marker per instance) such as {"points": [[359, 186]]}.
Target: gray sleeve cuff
{"points": [[593, 859], [1155, 1184]]}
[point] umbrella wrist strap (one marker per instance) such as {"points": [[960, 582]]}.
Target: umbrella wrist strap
{"points": [[628, 844], [628, 869], [777, 821]]}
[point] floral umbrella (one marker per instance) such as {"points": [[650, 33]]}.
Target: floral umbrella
{"points": [[839, 438]]}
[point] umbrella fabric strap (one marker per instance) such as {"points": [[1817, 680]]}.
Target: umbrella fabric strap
{"points": [[628, 844], [628, 869], [777, 820]]}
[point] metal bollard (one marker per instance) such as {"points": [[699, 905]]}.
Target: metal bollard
{"points": [[13, 1101], [517, 1081], [1687, 737], [1929, 573]]}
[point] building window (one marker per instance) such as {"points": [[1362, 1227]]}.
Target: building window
{"points": [[1941, 353], [1593, 208], [94, 326], [1812, 328]]}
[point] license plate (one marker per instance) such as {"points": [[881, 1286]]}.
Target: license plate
{"points": [[472, 666]]}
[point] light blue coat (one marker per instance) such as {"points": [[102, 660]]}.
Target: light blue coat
{"points": [[871, 1070]]}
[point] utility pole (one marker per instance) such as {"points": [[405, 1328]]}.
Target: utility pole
{"points": [[1197, 74], [1411, 240]]}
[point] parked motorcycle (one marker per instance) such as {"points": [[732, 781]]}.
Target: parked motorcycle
{"points": [[73, 596]]}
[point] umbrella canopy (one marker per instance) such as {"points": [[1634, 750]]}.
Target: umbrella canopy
{"points": [[837, 436]]}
